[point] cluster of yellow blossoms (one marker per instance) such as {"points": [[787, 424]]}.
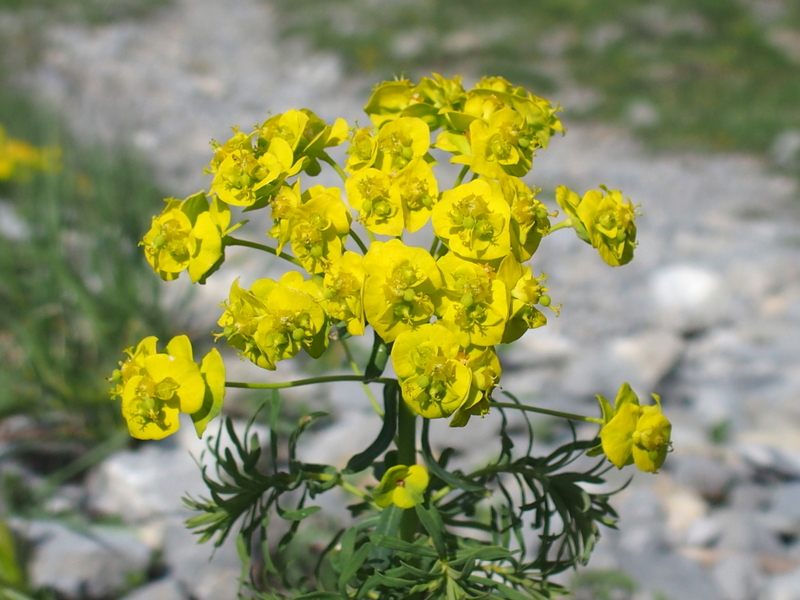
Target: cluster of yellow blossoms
{"points": [[443, 310]]}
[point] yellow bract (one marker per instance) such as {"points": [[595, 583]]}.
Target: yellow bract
{"points": [[473, 220], [187, 235], [402, 486], [634, 434], [433, 381], [401, 288], [156, 386]]}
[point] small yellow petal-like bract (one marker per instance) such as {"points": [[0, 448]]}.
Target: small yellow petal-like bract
{"points": [[433, 381], [403, 486], [473, 220], [156, 386], [632, 433], [401, 289]]}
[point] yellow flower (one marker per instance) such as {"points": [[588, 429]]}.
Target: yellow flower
{"points": [[418, 190], [473, 220], [293, 320], [433, 381], [244, 310], [606, 221], [401, 141], [378, 203], [529, 217], [486, 371], [401, 289], [187, 235], [403, 486], [343, 290], [524, 292], [634, 434], [474, 303], [156, 386], [318, 228], [362, 151]]}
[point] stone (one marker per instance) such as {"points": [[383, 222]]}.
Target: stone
{"points": [[688, 297], [204, 572], [782, 587], [710, 478], [737, 576], [642, 360], [163, 589], [663, 575], [95, 563], [744, 532]]}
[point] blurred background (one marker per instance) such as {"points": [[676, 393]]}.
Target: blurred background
{"points": [[692, 108]]}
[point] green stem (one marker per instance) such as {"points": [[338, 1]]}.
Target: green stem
{"points": [[358, 241], [461, 176], [325, 158], [434, 245], [231, 241], [357, 371], [562, 225], [546, 411], [301, 382], [407, 455]]}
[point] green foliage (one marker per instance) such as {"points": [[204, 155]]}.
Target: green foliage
{"points": [[707, 73], [375, 558], [89, 11], [602, 585], [73, 284]]}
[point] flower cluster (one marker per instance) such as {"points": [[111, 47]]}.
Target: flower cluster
{"points": [[156, 386], [442, 311]]}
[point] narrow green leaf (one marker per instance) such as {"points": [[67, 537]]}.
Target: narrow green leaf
{"points": [[298, 515], [377, 359], [352, 566], [388, 526], [401, 546], [434, 467], [359, 462], [432, 522]]}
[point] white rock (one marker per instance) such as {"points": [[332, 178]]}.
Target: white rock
{"points": [[688, 297], [783, 587], [163, 589], [92, 564]]}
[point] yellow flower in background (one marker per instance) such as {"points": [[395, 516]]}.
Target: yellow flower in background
{"points": [[433, 381], [156, 386], [403, 486], [473, 220], [632, 433], [18, 158], [401, 289], [187, 235]]}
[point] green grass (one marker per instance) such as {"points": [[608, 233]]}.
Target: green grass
{"points": [[705, 71], [74, 288]]}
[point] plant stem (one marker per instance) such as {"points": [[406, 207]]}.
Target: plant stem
{"points": [[562, 225], [407, 455], [231, 241], [325, 158], [546, 411], [358, 241], [301, 382], [461, 175], [357, 371]]}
